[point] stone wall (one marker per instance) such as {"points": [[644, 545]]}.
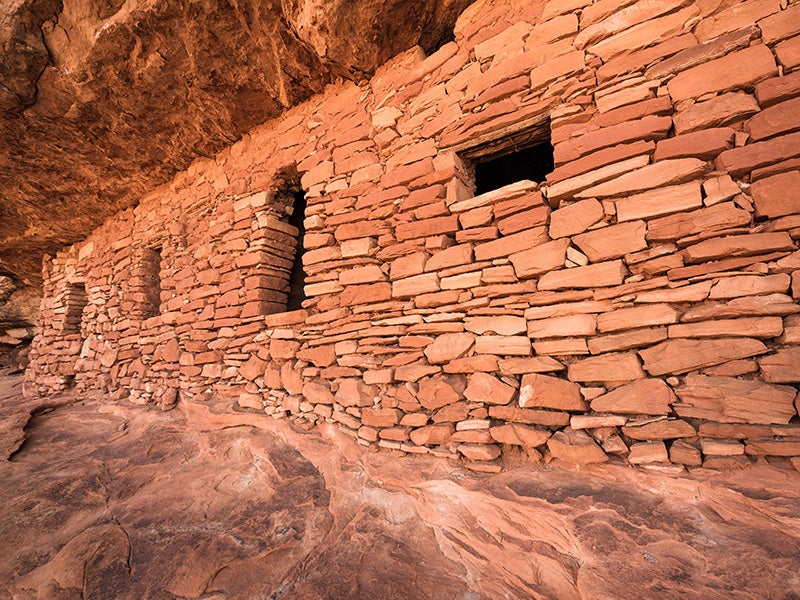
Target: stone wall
{"points": [[640, 303]]}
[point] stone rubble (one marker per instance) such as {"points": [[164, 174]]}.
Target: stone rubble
{"points": [[640, 303]]}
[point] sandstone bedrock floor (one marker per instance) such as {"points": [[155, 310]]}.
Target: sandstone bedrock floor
{"points": [[107, 501]]}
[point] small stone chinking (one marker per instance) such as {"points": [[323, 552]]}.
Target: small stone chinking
{"points": [[639, 303]]}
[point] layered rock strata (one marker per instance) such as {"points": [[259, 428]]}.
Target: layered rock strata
{"points": [[641, 302]]}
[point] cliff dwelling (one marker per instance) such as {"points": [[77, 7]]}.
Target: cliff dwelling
{"points": [[414, 299]]}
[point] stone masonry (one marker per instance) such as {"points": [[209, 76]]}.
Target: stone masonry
{"points": [[641, 302]]}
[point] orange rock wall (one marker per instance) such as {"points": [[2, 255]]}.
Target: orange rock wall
{"points": [[641, 303]]}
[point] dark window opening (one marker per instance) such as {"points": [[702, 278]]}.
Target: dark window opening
{"points": [[433, 41], [297, 276], [149, 273], [533, 163], [75, 300], [523, 152]]}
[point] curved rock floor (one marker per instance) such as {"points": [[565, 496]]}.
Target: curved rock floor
{"points": [[107, 501]]}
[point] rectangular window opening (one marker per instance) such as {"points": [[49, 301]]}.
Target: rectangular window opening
{"points": [[75, 300], [532, 163], [150, 279], [297, 275], [525, 153]]}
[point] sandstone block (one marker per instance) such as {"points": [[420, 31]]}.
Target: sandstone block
{"points": [[680, 356], [510, 244], [719, 216], [778, 195], [449, 346], [626, 340], [414, 372], [596, 421], [613, 241], [544, 391], [291, 379], [433, 435], [567, 188], [503, 345], [254, 401], [317, 392], [591, 276], [526, 219], [611, 368], [742, 69], [416, 285], [566, 326], [486, 389], [427, 227], [354, 295], [756, 327], [536, 364], [540, 259], [738, 245], [773, 447], [380, 417], [637, 316], [453, 256], [561, 347], [319, 356], [705, 144], [777, 89], [719, 189], [775, 120], [645, 453], [438, 391], [408, 266], [366, 274], [283, 349], [721, 447], [567, 64], [737, 431], [715, 112], [781, 367], [741, 160], [662, 429], [642, 397], [651, 127], [683, 453], [772, 304], [530, 416], [519, 435], [662, 173], [480, 452], [575, 447], [788, 53], [575, 218], [659, 202], [353, 392], [731, 400], [498, 324]]}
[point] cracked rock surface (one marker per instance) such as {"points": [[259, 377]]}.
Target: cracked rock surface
{"points": [[102, 100], [106, 500]]}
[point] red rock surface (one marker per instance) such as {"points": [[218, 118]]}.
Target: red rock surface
{"points": [[107, 500]]}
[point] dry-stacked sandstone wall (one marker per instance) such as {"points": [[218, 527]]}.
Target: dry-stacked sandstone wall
{"points": [[641, 302]]}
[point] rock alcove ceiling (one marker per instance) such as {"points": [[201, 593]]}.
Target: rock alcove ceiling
{"points": [[103, 100]]}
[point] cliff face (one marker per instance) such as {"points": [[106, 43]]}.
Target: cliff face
{"points": [[101, 100]]}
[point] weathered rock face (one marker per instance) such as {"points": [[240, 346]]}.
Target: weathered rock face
{"points": [[107, 500], [102, 100]]}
